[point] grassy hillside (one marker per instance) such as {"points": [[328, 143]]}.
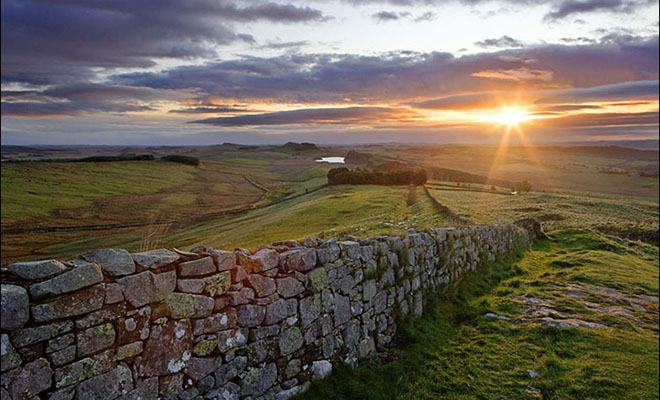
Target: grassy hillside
{"points": [[497, 335]]}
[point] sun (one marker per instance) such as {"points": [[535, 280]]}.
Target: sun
{"points": [[511, 116]]}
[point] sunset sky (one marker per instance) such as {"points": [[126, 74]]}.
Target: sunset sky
{"points": [[354, 71]]}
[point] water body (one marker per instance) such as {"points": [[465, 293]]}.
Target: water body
{"points": [[331, 160]]}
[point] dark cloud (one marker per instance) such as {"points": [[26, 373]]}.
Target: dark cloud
{"points": [[342, 116], [619, 91], [571, 7], [385, 16], [284, 45], [214, 109], [427, 16], [316, 78], [502, 42], [45, 42], [83, 97], [602, 120]]}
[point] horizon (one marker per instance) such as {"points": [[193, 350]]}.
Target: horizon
{"points": [[373, 71]]}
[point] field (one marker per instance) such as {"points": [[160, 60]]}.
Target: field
{"points": [[495, 336]]}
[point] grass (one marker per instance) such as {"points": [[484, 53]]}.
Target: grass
{"points": [[557, 210], [455, 352], [31, 190]]}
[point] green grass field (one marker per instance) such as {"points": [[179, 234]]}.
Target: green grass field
{"points": [[456, 352]]}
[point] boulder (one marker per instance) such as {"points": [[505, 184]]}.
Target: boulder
{"points": [[14, 306], [33, 270], [116, 262]]}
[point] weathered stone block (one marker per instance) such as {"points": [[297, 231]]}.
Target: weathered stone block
{"points": [[317, 280], [224, 260], [310, 309], [147, 287], [183, 305], [350, 249], [301, 259], [215, 323], [290, 340], [342, 310], [116, 262], [198, 367], [33, 270], [250, 315], [277, 311], [64, 356], [262, 285], [155, 259], [262, 260], [205, 346], [84, 369], [203, 266], [81, 302], [14, 306], [95, 339], [28, 336], [80, 277], [167, 350], [231, 338], [369, 290], [244, 296], [258, 380], [29, 380], [110, 313], [113, 293], [134, 327], [321, 369], [108, 386], [170, 386], [289, 287], [9, 357], [129, 350]]}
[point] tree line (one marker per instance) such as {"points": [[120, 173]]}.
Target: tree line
{"points": [[361, 176]]}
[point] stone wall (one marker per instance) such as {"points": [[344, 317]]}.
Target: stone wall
{"points": [[213, 324]]}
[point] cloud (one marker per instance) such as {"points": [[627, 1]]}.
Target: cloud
{"points": [[84, 97], [335, 116], [571, 7], [427, 16], [284, 45], [619, 91], [386, 16], [214, 109], [502, 42], [48, 42], [401, 76]]}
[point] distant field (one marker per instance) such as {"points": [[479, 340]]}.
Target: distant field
{"points": [[556, 210], [457, 352], [329, 212]]}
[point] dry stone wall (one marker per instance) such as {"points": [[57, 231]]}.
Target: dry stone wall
{"points": [[213, 324]]}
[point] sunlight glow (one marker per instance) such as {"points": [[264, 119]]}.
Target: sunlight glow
{"points": [[510, 116]]}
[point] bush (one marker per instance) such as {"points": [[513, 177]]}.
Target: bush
{"points": [[182, 159], [141, 157], [359, 176]]}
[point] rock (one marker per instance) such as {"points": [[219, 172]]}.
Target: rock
{"points": [[262, 260], [215, 323], [64, 356], [34, 270], [230, 370], [369, 290], [217, 284], [244, 296], [317, 280], [289, 287], [290, 340], [170, 386], [14, 307], [147, 287], [321, 369], [60, 342], [80, 277], [310, 309], [28, 381], [95, 339], [155, 259], [231, 339], [292, 368], [134, 327], [350, 249], [84, 369], [9, 357], [81, 302], [116, 262], [301, 259], [250, 315], [203, 266], [342, 310], [205, 346], [183, 305], [197, 367], [106, 386], [288, 393], [258, 380], [29, 336], [532, 373], [262, 285], [129, 350], [113, 293], [167, 350], [238, 274], [106, 314], [280, 309], [225, 260]]}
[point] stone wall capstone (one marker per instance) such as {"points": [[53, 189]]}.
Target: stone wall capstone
{"points": [[213, 324]]}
